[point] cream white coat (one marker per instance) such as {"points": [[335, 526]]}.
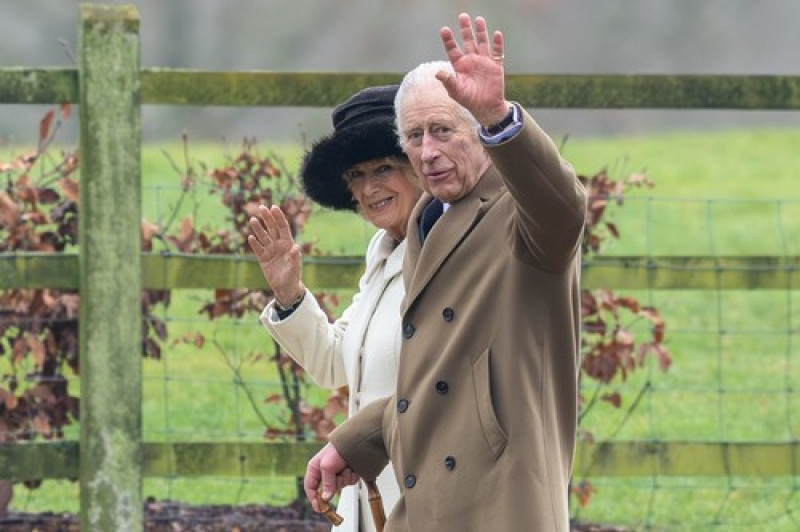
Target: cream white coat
{"points": [[359, 350]]}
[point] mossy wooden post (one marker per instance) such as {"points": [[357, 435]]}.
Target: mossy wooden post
{"points": [[110, 270]]}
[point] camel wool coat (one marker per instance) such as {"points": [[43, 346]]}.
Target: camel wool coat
{"points": [[481, 429]]}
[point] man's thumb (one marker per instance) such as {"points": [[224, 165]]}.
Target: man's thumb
{"points": [[445, 77]]}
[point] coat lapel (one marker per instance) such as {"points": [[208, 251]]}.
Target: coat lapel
{"points": [[383, 264], [423, 261]]}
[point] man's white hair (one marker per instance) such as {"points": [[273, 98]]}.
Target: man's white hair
{"points": [[419, 79]]}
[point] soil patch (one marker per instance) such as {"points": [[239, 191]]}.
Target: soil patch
{"points": [[165, 516]]}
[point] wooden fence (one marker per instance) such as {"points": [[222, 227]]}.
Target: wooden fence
{"points": [[110, 271]]}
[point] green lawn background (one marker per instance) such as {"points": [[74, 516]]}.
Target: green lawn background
{"points": [[730, 192]]}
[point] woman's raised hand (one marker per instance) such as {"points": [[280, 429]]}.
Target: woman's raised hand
{"points": [[278, 254]]}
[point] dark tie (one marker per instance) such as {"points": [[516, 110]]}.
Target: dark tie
{"points": [[430, 214]]}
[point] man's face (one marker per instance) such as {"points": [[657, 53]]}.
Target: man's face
{"points": [[441, 143]]}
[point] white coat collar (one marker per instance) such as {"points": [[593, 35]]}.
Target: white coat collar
{"points": [[383, 251]]}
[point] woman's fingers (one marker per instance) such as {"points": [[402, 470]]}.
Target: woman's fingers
{"points": [[280, 224]]}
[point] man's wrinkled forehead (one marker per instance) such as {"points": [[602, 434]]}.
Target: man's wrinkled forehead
{"points": [[426, 104]]}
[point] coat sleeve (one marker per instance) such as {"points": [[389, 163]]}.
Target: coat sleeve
{"points": [[311, 340], [550, 200], [359, 440]]}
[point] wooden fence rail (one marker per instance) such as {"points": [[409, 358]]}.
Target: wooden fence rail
{"points": [[284, 89], [178, 271], [110, 271], [58, 460]]}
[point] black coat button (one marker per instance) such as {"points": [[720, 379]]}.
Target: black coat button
{"points": [[448, 314], [402, 405], [450, 463], [408, 330], [442, 387], [410, 481]]}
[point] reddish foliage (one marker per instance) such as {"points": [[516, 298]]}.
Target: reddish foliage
{"points": [[610, 349], [39, 327], [245, 182], [583, 491]]}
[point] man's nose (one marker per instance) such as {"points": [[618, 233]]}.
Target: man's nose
{"points": [[430, 148]]}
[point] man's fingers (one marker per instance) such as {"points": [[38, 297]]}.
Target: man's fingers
{"points": [[311, 482], [331, 466], [348, 477], [467, 35], [453, 55], [329, 485], [482, 36], [450, 45], [497, 44]]}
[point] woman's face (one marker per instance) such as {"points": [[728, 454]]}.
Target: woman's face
{"points": [[386, 191]]}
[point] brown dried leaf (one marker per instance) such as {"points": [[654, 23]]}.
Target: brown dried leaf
{"points": [[47, 196], [152, 349], [274, 398], [42, 393], [9, 399], [73, 407], [37, 350], [629, 303], [595, 326], [640, 179], [160, 327], [36, 218], [148, 230], [19, 350], [70, 188], [41, 425], [186, 235], [614, 398], [583, 491], [9, 212], [664, 360], [70, 304], [45, 125]]}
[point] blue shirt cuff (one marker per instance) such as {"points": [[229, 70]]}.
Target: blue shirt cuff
{"points": [[513, 128]]}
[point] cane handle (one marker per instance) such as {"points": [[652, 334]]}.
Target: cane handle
{"points": [[327, 510]]}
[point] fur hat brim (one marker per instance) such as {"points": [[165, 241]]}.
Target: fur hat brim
{"points": [[323, 166]]}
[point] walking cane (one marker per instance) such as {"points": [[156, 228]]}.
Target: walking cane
{"points": [[375, 506]]}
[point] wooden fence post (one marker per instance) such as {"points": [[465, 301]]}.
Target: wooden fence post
{"points": [[110, 273]]}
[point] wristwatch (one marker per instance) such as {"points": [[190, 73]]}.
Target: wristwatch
{"points": [[291, 306], [507, 120]]}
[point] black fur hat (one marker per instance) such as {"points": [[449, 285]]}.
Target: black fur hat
{"points": [[363, 129]]}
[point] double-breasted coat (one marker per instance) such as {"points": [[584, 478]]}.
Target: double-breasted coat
{"points": [[481, 429], [359, 349]]}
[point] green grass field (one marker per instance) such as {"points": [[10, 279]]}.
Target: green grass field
{"points": [[734, 352]]}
